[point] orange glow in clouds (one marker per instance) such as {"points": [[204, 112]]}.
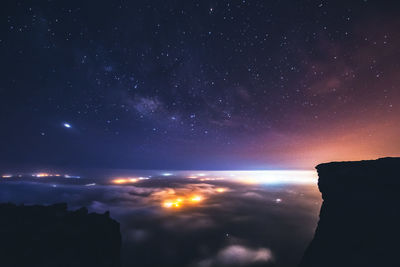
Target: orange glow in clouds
{"points": [[196, 199], [182, 201], [124, 180], [42, 174]]}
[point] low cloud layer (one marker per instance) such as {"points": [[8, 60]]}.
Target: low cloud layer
{"points": [[237, 255], [241, 225]]}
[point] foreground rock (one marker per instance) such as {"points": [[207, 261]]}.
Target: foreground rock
{"points": [[53, 236], [360, 215]]}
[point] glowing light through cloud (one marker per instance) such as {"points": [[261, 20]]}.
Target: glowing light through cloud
{"points": [[196, 199], [168, 204], [173, 203], [127, 180], [221, 190], [42, 174], [204, 185], [200, 188], [261, 177], [212, 179], [277, 177], [71, 176], [182, 201], [39, 175], [45, 174]]}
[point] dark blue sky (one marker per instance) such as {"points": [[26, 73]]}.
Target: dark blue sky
{"points": [[198, 84]]}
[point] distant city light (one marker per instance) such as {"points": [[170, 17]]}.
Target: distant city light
{"points": [[220, 190], [72, 176], [41, 174], [196, 199], [168, 204], [260, 177], [167, 174], [182, 201], [276, 177], [125, 180], [6, 176], [212, 179], [45, 174]]}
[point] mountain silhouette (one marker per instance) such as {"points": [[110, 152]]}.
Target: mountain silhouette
{"points": [[49, 236], [360, 216]]}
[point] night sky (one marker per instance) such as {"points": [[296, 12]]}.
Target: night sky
{"points": [[198, 84]]}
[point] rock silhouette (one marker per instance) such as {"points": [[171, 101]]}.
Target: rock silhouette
{"points": [[360, 216], [53, 236]]}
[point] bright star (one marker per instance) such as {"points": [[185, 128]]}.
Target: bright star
{"points": [[67, 125]]}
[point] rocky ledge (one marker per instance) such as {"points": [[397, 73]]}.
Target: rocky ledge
{"points": [[53, 236], [360, 216]]}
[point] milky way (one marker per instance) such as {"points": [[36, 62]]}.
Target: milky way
{"points": [[198, 84]]}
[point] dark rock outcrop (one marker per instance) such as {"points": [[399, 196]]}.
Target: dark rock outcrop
{"points": [[360, 216], [53, 236]]}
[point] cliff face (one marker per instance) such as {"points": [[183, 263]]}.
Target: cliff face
{"points": [[53, 236], [360, 216]]}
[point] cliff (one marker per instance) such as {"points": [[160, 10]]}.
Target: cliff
{"points": [[53, 236], [360, 216]]}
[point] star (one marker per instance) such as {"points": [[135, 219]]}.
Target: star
{"points": [[67, 125]]}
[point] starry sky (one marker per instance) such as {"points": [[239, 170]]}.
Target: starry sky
{"points": [[198, 84]]}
